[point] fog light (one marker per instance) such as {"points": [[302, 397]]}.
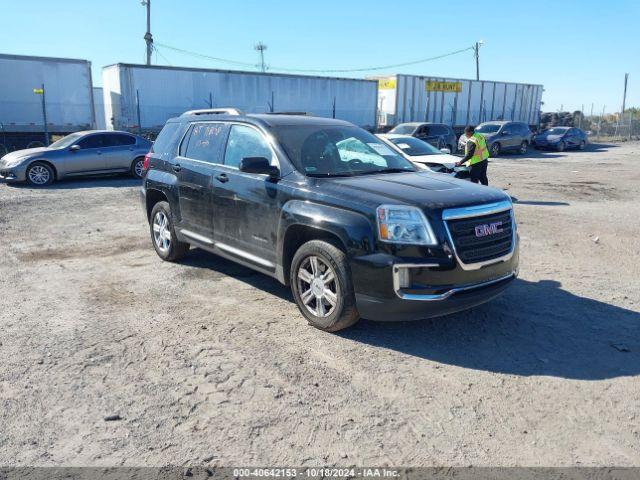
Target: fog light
{"points": [[404, 277]]}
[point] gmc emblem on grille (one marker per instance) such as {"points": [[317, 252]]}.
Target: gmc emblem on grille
{"points": [[488, 229]]}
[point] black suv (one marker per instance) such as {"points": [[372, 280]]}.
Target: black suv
{"points": [[354, 236]]}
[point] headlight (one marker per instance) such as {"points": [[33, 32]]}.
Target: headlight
{"points": [[14, 161], [404, 224]]}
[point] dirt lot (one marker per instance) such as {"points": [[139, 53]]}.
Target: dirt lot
{"points": [[207, 362]]}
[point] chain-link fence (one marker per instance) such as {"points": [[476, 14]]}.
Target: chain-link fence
{"points": [[600, 127]]}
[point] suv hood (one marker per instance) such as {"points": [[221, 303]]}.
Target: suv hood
{"points": [[421, 189]]}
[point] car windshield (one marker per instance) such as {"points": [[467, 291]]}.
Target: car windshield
{"points": [[403, 129], [67, 141], [326, 150], [556, 131], [488, 128], [414, 147]]}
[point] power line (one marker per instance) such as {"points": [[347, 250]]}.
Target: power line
{"points": [[303, 70], [158, 52]]}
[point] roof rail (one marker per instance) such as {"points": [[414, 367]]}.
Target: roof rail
{"points": [[288, 113], [213, 111]]}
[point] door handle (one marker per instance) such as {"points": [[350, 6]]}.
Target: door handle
{"points": [[176, 167], [222, 178]]}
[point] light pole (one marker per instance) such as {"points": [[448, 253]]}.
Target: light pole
{"points": [[261, 47], [147, 36], [476, 52]]}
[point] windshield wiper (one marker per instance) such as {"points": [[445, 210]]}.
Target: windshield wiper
{"points": [[330, 174], [385, 170]]}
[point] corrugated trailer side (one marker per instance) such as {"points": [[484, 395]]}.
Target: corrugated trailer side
{"points": [[159, 93], [69, 97], [456, 102]]}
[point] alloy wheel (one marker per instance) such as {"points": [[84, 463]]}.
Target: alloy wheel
{"points": [[495, 150], [161, 232], [317, 285], [39, 175], [137, 168], [523, 147]]}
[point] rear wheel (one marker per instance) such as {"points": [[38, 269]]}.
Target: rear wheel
{"points": [[561, 146], [494, 150], [163, 234], [321, 286], [523, 148], [136, 167], [40, 174]]}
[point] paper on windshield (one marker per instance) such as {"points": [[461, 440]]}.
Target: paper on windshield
{"points": [[381, 149], [403, 146]]}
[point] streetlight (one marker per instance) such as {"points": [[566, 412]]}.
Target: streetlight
{"points": [[261, 47], [147, 36]]}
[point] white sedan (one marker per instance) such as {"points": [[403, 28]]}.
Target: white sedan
{"points": [[424, 154]]}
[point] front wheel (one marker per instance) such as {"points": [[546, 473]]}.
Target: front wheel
{"points": [[494, 150], [321, 286], [163, 234], [40, 174]]}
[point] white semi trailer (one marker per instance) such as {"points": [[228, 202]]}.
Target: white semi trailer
{"points": [[455, 102], [140, 98], [67, 93]]}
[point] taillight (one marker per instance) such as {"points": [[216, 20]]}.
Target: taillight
{"points": [[145, 164]]}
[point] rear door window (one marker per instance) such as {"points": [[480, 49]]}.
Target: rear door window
{"points": [[245, 142], [165, 144], [205, 142]]}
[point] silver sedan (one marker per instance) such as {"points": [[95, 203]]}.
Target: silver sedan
{"points": [[92, 152]]}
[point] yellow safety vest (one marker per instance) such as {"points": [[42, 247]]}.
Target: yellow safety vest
{"points": [[481, 153]]}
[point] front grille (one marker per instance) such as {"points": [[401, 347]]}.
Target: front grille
{"points": [[476, 241]]}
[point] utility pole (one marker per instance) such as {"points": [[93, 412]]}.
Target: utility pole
{"points": [[147, 36], [624, 95], [261, 47], [476, 52]]}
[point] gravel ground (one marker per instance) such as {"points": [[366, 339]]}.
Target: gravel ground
{"points": [[109, 356]]}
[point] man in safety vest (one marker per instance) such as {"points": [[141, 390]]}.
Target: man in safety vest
{"points": [[476, 155]]}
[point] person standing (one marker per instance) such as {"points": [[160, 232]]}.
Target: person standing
{"points": [[476, 155]]}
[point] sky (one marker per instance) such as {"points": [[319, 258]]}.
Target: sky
{"points": [[579, 50]]}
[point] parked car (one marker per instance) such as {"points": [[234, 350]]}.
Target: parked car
{"points": [[439, 135], [82, 153], [368, 236], [424, 154], [561, 138], [503, 137]]}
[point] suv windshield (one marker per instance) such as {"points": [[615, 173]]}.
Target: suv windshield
{"points": [[321, 150], [67, 141], [414, 147], [403, 129], [488, 128]]}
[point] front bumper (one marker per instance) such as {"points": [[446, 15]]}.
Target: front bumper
{"points": [[390, 286], [13, 174]]}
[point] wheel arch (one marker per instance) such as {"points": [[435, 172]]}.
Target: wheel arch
{"points": [[152, 197], [48, 163], [301, 222]]}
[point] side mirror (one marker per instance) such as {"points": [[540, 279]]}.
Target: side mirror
{"points": [[445, 150], [74, 148], [259, 165]]}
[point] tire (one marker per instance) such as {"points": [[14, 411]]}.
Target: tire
{"points": [[136, 167], [523, 148], [561, 146], [582, 145], [40, 174], [163, 234], [330, 304], [494, 149]]}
